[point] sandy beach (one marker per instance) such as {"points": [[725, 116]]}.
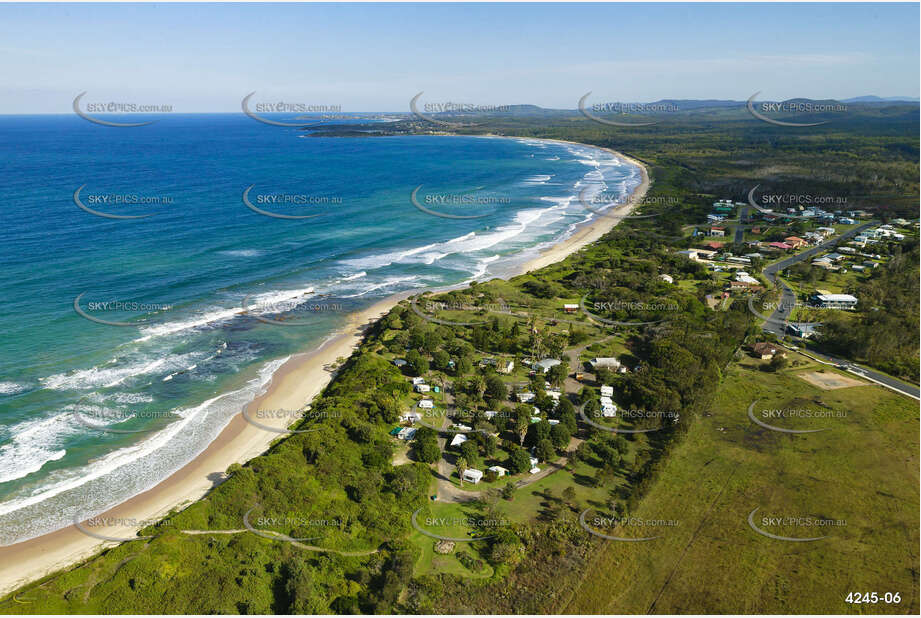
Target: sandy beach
{"points": [[293, 386]]}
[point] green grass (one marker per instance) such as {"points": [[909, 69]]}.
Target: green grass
{"points": [[863, 470]]}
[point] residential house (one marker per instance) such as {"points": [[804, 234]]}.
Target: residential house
{"points": [[426, 404], [834, 301], [766, 350], [717, 231], [499, 470], [795, 241], [544, 365], [472, 475], [604, 362], [570, 307], [666, 278]]}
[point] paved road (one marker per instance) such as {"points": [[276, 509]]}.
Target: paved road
{"points": [[777, 321], [740, 229]]}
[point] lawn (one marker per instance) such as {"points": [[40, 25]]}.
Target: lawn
{"points": [[862, 471]]}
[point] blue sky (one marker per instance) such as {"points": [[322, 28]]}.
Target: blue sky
{"points": [[200, 57]]}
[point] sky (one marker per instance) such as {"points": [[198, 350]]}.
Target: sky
{"points": [[376, 57]]}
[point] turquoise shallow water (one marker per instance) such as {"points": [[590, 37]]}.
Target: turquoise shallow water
{"points": [[188, 359]]}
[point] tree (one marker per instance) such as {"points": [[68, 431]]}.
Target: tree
{"points": [[559, 436], [537, 432], [569, 495], [522, 422], [545, 451], [440, 359], [461, 468], [495, 389], [470, 453], [417, 362], [426, 445], [463, 366], [519, 460]]}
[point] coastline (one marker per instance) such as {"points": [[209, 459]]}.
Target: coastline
{"points": [[296, 383]]}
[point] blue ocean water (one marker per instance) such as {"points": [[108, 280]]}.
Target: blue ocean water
{"points": [[188, 358]]}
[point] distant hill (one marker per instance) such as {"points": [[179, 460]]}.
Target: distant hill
{"points": [[872, 98]]}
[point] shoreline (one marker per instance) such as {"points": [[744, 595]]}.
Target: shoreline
{"points": [[293, 385]]}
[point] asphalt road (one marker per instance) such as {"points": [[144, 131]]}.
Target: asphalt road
{"points": [[777, 321]]}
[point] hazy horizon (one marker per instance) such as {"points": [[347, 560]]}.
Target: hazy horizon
{"points": [[201, 58]]}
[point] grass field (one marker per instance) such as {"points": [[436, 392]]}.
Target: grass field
{"points": [[861, 472]]}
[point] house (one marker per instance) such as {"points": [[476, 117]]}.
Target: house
{"points": [[422, 388], [426, 404], [848, 250], [406, 433], [458, 439], [545, 364], [410, 417], [461, 427], [399, 362], [825, 231], [717, 231], [858, 267], [846, 221], [714, 246], [608, 362], [691, 254], [735, 259], [744, 277], [607, 391], [803, 330], [743, 286], [499, 470], [417, 381], [795, 241], [666, 278], [834, 301], [766, 350], [570, 308], [781, 246], [835, 257], [525, 397], [509, 366], [472, 475]]}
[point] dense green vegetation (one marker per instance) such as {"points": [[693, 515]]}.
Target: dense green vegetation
{"points": [[365, 556], [888, 311]]}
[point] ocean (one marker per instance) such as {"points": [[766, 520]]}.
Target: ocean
{"points": [[126, 348]]}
